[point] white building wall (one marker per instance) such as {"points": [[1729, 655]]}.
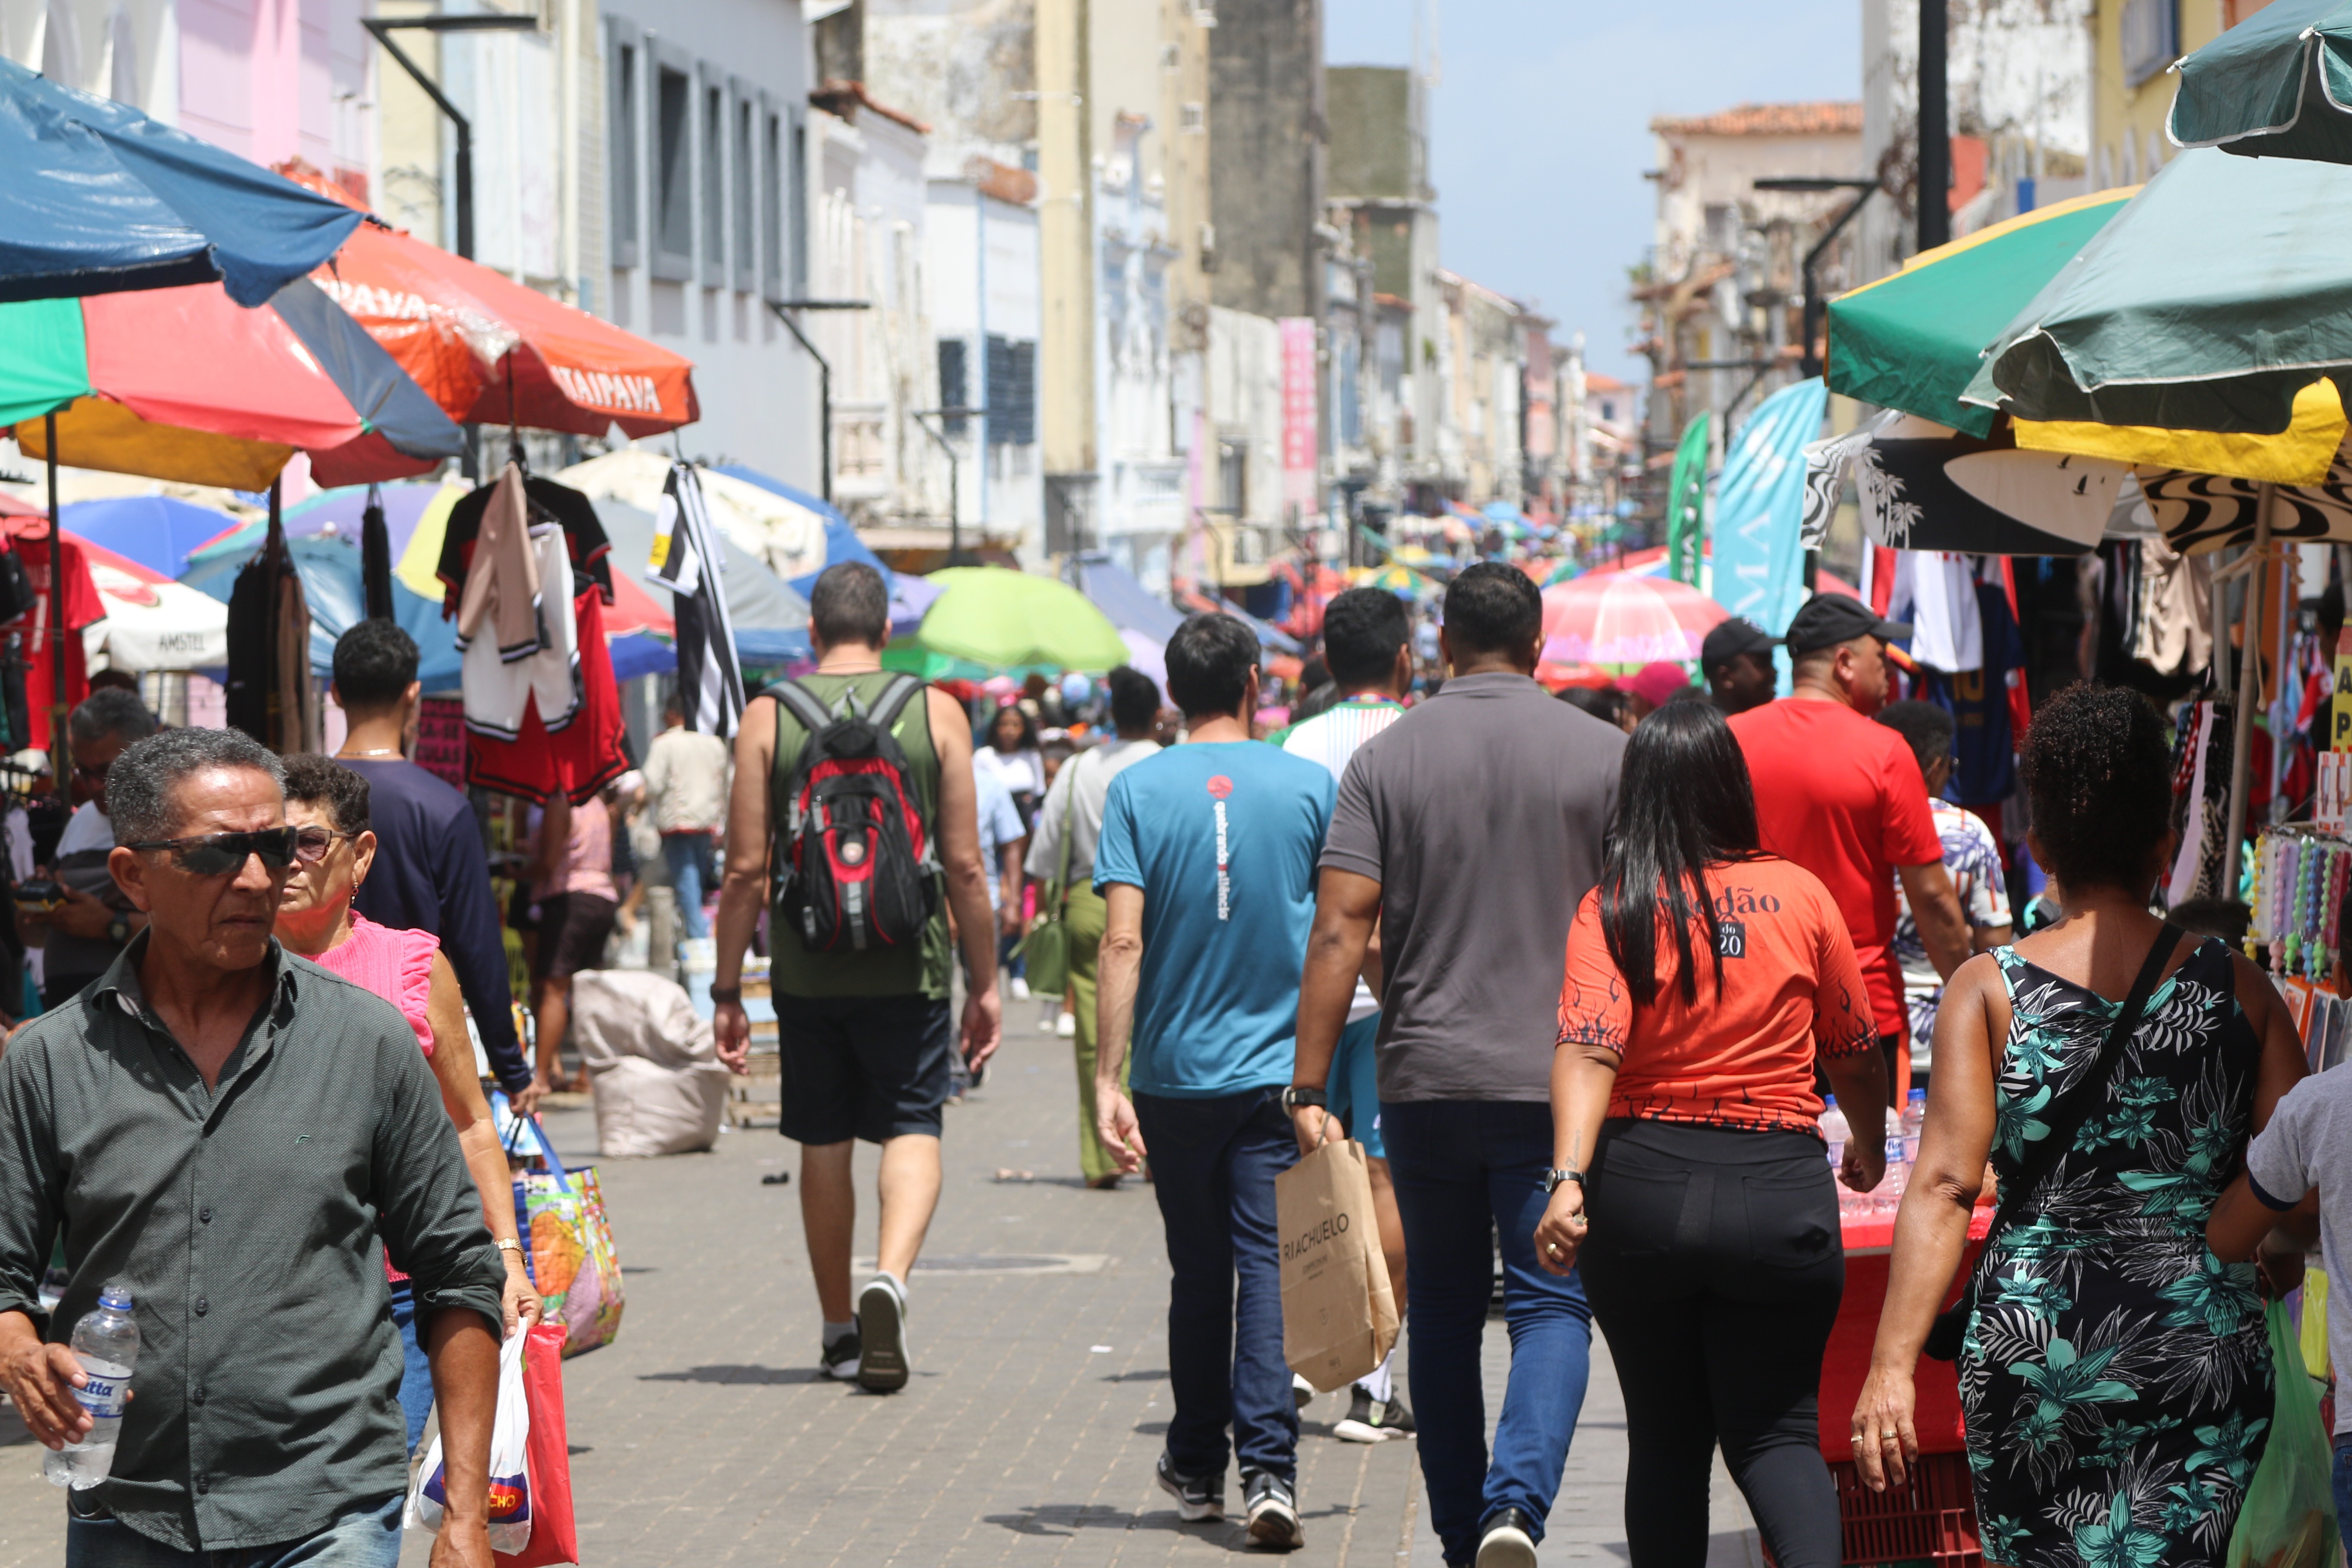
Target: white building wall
{"points": [[979, 291]]}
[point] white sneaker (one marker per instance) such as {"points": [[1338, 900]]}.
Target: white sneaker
{"points": [[882, 1368], [1020, 989], [1067, 1025], [1302, 1391]]}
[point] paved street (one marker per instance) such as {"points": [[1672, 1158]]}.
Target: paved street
{"points": [[703, 1435]]}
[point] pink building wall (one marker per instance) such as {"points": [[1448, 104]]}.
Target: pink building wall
{"points": [[279, 79]]}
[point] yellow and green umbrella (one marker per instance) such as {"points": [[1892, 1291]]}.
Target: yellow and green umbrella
{"points": [[999, 619]]}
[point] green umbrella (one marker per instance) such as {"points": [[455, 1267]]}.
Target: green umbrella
{"points": [[1005, 619], [1911, 340], [2277, 85], [2221, 291]]}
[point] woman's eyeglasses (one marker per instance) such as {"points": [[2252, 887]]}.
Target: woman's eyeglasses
{"points": [[213, 854], [311, 843]]}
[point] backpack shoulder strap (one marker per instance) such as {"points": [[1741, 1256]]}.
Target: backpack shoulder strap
{"points": [[802, 703], [894, 697]]}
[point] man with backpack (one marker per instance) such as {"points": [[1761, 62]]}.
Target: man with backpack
{"points": [[852, 805]]}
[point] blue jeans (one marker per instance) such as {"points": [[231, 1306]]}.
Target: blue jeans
{"points": [[1212, 1167], [2342, 1478], [416, 1368], [688, 856], [367, 1536], [1466, 1170]]}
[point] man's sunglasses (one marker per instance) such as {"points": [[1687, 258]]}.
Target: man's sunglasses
{"points": [[213, 854]]}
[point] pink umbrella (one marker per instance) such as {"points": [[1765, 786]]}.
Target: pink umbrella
{"points": [[1618, 618]]}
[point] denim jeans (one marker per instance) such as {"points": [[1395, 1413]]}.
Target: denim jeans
{"points": [[416, 1368], [2342, 1478], [1466, 1172], [1212, 1167], [688, 856], [367, 1536]]}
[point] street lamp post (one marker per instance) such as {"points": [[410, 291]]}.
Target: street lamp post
{"points": [[1812, 359], [783, 309], [923, 417], [382, 28]]}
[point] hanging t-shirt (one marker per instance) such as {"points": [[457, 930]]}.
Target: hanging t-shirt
{"points": [[585, 754], [1985, 770], [1223, 837], [567, 507], [82, 607]]}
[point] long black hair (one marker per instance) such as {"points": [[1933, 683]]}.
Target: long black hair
{"points": [[1683, 803]]}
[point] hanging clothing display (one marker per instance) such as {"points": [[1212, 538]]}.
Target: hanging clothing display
{"points": [[1984, 771], [2175, 634], [585, 754], [1936, 594], [688, 561], [501, 684], [567, 507], [270, 693], [498, 606], [82, 607]]}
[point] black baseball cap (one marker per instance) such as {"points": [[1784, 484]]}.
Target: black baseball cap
{"points": [[1727, 639], [1828, 619]]}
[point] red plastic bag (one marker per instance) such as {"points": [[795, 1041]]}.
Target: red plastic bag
{"points": [[553, 1538]]}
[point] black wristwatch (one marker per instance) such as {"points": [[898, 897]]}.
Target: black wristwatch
{"points": [[118, 930], [1298, 1094], [733, 993], [1555, 1176]]}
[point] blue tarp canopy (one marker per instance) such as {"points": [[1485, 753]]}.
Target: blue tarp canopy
{"points": [[329, 570], [770, 621], [910, 596], [158, 532], [1128, 603], [100, 199]]}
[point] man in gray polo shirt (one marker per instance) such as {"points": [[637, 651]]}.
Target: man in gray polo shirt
{"points": [[1468, 831], [227, 1131]]}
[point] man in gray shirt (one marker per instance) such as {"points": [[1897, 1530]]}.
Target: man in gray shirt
{"points": [[1467, 832], [227, 1131]]}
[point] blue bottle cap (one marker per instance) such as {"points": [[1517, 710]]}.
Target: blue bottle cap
{"points": [[115, 1295]]}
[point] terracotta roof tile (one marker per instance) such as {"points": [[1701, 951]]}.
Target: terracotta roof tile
{"points": [[1824, 117]]}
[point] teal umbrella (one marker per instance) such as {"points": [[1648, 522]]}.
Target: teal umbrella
{"points": [[2277, 85], [2219, 292]]}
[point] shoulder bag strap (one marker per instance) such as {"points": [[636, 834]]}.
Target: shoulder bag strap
{"points": [[2076, 1107]]}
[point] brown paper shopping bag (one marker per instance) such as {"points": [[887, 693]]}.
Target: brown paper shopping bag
{"points": [[1339, 1316]]}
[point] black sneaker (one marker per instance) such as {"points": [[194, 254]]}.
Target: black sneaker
{"points": [[1370, 1420], [1272, 1511], [1506, 1540], [1200, 1499], [882, 1330], [839, 1359]]}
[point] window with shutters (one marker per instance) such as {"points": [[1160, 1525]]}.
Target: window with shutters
{"points": [[1012, 392], [714, 186], [626, 138], [771, 214], [673, 174], [954, 381], [747, 248]]}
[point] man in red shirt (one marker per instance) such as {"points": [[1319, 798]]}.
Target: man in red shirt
{"points": [[1843, 798]]}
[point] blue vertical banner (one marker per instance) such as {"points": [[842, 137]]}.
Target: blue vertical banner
{"points": [[1759, 507]]}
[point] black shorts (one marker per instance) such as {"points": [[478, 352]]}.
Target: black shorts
{"points": [[862, 1066], [572, 931]]}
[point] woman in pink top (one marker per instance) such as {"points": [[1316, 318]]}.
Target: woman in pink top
{"points": [[329, 807]]}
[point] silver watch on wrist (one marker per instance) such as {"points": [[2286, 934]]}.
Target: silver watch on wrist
{"points": [[1555, 1176]]}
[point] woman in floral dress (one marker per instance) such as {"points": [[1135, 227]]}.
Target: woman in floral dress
{"points": [[2115, 1376]]}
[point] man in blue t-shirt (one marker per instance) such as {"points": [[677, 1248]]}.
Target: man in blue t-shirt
{"points": [[1206, 865]]}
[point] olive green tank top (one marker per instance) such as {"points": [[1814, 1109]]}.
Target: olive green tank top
{"points": [[921, 970]]}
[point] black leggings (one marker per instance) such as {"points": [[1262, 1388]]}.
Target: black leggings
{"points": [[1714, 1267]]}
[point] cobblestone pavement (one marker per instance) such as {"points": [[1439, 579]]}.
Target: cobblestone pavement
{"points": [[703, 1435]]}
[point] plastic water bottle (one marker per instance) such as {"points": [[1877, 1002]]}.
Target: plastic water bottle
{"points": [[106, 1342], [1834, 1130], [1915, 1113]]}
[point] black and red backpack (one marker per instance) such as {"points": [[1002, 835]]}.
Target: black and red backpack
{"points": [[854, 853]]}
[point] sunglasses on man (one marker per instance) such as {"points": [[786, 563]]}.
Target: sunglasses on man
{"points": [[216, 854]]}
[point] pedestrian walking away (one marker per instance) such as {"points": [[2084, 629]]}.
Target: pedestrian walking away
{"points": [[1843, 798], [1465, 834], [334, 851], [2115, 1374], [864, 1033], [1206, 865], [1069, 824], [210, 1102], [432, 873], [1972, 860], [1368, 640], [81, 936], [570, 876], [1706, 980], [686, 778]]}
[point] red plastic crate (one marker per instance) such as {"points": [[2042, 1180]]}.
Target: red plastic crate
{"points": [[1931, 1518]]}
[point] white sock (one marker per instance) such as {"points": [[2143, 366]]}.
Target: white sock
{"points": [[836, 1332], [1381, 1382]]}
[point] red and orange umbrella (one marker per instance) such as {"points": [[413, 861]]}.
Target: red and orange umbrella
{"points": [[491, 352], [1618, 618]]}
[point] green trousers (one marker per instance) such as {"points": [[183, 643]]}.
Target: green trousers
{"points": [[1086, 917]]}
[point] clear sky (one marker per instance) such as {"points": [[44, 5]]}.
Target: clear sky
{"points": [[1541, 125]]}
